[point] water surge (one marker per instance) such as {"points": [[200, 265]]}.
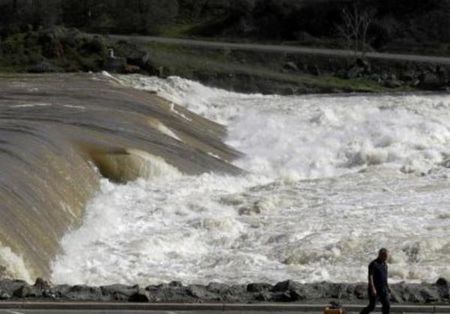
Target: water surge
{"points": [[328, 181]]}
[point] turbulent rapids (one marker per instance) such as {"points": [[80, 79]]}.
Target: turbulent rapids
{"points": [[60, 134], [134, 180]]}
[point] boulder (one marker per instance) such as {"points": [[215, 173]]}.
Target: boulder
{"points": [[258, 287], [443, 285], [9, 286], [172, 292], [361, 291], [430, 295], [286, 296], [290, 291], [201, 293], [216, 287], [84, 293], [4, 296], [285, 286], [119, 292], [141, 296]]}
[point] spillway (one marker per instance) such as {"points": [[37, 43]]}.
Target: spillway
{"points": [[60, 134]]}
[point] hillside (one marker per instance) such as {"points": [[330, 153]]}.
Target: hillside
{"points": [[402, 25]]}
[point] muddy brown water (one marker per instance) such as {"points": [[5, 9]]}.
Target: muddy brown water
{"points": [[61, 133]]}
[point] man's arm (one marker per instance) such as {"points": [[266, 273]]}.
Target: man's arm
{"points": [[371, 283]]}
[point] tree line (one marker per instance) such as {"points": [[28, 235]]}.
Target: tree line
{"points": [[421, 20]]}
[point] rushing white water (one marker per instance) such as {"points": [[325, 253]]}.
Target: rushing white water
{"points": [[331, 180]]}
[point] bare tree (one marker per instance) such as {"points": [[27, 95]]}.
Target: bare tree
{"points": [[355, 27]]}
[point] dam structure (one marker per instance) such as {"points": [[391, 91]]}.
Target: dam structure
{"points": [[60, 134]]}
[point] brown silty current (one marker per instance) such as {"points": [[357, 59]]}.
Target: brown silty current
{"points": [[61, 133]]}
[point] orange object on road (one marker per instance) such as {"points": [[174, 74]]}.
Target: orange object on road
{"points": [[333, 311]]}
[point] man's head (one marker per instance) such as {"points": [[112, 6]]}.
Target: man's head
{"points": [[383, 254]]}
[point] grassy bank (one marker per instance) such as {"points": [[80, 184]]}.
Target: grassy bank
{"points": [[250, 71], [68, 50]]}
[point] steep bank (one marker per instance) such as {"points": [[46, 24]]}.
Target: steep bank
{"points": [[59, 134]]}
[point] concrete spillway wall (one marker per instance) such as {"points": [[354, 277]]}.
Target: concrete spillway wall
{"points": [[60, 134]]}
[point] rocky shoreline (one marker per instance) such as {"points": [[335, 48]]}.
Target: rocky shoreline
{"points": [[175, 292]]}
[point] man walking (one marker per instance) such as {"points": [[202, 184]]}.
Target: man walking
{"points": [[378, 283]]}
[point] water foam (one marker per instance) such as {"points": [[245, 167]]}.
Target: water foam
{"points": [[330, 180], [14, 264]]}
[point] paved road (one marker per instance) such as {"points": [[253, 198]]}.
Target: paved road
{"points": [[284, 49], [130, 312]]}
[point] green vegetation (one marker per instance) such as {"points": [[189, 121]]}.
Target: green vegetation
{"points": [[421, 25], [43, 36], [249, 71], [52, 51]]}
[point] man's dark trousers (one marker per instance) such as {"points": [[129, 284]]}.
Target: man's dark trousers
{"points": [[383, 297]]}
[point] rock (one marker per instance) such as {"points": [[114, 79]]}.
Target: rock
{"points": [[27, 291], [429, 295], [360, 291], [443, 288], [286, 296], [292, 291], [442, 282], [141, 296], [42, 284], [176, 284], [291, 66], [263, 296], [115, 65], [43, 67], [119, 292], [332, 290], [216, 287], [172, 292], [258, 287], [10, 286], [201, 293], [4, 296], [396, 297], [285, 286], [84, 293]]}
